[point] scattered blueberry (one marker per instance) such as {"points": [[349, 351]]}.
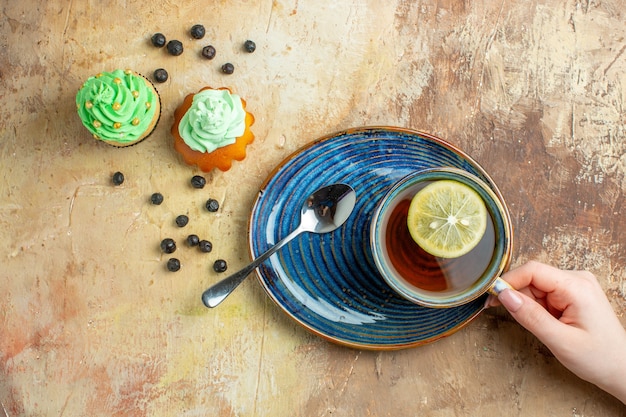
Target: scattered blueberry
{"points": [[228, 68], [182, 220], [212, 205], [118, 178], [208, 52], [197, 31], [158, 40], [220, 265], [193, 240], [173, 264], [175, 47], [168, 245], [198, 181], [249, 46], [156, 199], [160, 75], [205, 246]]}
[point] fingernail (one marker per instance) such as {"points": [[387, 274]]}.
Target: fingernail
{"points": [[511, 300], [488, 302]]}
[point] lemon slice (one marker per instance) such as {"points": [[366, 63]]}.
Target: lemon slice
{"points": [[447, 218]]}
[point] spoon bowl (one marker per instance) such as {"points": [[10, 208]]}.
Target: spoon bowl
{"points": [[322, 212]]}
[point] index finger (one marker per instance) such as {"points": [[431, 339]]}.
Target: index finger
{"points": [[541, 276]]}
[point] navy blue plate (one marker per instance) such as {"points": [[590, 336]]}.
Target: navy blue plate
{"points": [[329, 283]]}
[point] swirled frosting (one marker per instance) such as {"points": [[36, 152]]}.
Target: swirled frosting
{"points": [[215, 119], [117, 106]]}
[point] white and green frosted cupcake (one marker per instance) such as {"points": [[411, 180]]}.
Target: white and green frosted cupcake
{"points": [[212, 129], [120, 107]]}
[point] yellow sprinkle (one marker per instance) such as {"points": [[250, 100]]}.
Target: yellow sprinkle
{"points": [[96, 124], [148, 105], [127, 72], [116, 106], [117, 80], [98, 75], [117, 125], [135, 93], [88, 104], [135, 121], [96, 136]]}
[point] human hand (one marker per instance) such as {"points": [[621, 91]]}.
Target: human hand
{"points": [[569, 312]]}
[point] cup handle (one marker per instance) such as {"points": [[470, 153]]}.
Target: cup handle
{"points": [[498, 286]]}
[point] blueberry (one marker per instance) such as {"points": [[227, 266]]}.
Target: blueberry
{"points": [[118, 178], [198, 181], [158, 40], [175, 47], [220, 265], [197, 31], [160, 75], [249, 46], [182, 220], [193, 240], [212, 205], [156, 199], [228, 68], [168, 245], [205, 246], [208, 52], [173, 264]]}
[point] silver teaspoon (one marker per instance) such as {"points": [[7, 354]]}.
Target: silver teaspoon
{"points": [[323, 211]]}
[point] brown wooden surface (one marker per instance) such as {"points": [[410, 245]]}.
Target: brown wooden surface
{"points": [[92, 324]]}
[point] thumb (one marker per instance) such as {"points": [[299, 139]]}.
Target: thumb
{"points": [[530, 314]]}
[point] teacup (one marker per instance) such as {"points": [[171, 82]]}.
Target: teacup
{"points": [[432, 281]]}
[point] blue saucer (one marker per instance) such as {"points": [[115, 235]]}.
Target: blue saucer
{"points": [[329, 283]]}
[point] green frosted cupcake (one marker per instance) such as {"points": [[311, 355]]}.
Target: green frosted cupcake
{"points": [[120, 108]]}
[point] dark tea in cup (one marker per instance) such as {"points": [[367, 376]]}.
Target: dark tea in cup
{"points": [[432, 279], [433, 273]]}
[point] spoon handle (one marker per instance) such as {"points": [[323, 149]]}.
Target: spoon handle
{"points": [[219, 291]]}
